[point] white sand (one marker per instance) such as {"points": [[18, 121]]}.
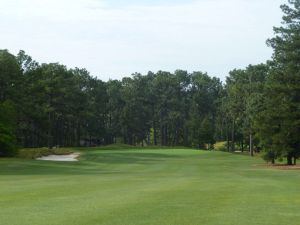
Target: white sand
{"points": [[64, 158]]}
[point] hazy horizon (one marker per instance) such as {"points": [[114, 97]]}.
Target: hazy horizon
{"points": [[113, 39]]}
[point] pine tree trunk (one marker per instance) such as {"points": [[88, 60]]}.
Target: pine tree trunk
{"points": [[273, 161], [251, 144], [161, 135], [176, 136], [154, 133], [49, 132], [289, 160], [78, 134], [165, 135], [148, 139], [227, 139], [232, 137], [242, 145], [185, 136]]}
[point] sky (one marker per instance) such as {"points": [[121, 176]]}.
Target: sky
{"points": [[113, 38]]}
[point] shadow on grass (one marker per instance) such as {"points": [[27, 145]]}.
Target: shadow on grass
{"points": [[90, 163], [127, 157]]}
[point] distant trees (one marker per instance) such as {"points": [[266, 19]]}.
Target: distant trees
{"points": [[205, 95], [136, 113], [244, 93], [57, 106]]}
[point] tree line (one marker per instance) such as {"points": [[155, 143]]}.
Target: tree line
{"points": [[256, 108]]}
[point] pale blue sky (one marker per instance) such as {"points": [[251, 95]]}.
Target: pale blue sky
{"points": [[122, 3], [113, 39]]}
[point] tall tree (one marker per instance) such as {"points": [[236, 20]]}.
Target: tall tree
{"points": [[7, 128], [280, 119], [10, 95], [204, 91]]}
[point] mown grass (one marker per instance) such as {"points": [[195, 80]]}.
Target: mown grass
{"points": [[148, 187]]}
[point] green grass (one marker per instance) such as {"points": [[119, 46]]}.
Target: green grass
{"points": [[153, 187]]}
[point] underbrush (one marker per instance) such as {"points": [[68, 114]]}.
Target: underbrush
{"points": [[107, 147], [32, 153], [126, 146], [220, 146]]}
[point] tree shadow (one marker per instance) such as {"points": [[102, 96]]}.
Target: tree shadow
{"points": [[127, 157]]}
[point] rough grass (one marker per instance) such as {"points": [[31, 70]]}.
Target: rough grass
{"points": [[33, 153], [148, 187]]}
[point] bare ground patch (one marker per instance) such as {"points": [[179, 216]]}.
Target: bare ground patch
{"points": [[65, 158]]}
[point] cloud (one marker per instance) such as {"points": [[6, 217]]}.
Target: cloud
{"points": [[113, 40]]}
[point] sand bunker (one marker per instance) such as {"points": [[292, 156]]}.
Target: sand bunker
{"points": [[64, 158]]}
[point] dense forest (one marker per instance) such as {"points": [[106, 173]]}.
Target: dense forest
{"points": [[257, 108]]}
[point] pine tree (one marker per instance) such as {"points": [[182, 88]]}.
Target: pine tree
{"points": [[279, 122]]}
